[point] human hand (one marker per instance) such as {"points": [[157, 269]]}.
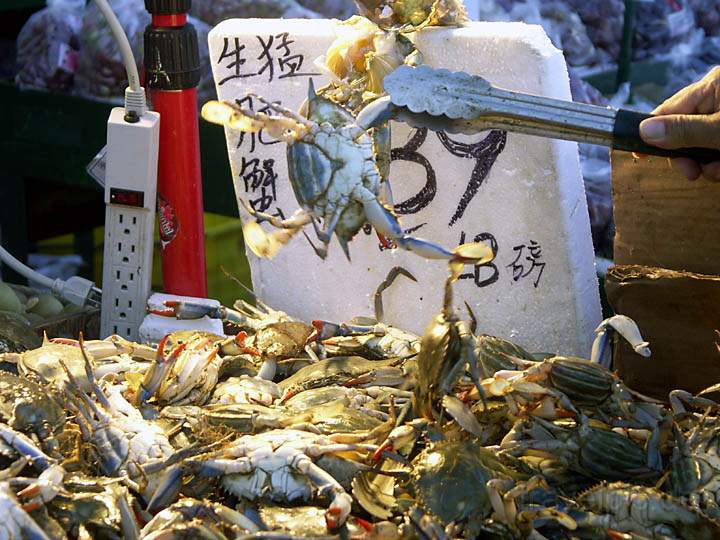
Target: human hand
{"points": [[690, 118]]}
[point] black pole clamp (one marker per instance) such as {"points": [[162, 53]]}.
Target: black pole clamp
{"points": [[172, 56]]}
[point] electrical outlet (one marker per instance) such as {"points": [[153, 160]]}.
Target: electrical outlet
{"points": [[130, 195], [126, 240], [128, 245]]}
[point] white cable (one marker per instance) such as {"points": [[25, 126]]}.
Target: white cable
{"points": [[135, 101], [25, 271], [77, 290]]}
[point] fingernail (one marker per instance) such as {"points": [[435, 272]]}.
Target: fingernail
{"points": [[653, 129]]}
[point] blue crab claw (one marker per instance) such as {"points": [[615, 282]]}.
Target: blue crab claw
{"points": [[627, 328], [385, 223], [157, 372], [186, 310], [168, 490]]}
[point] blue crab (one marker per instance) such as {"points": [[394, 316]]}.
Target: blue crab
{"points": [[333, 169]]}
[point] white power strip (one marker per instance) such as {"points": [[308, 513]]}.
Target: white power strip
{"points": [[130, 198]]}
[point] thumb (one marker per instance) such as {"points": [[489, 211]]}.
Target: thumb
{"points": [[682, 131]]}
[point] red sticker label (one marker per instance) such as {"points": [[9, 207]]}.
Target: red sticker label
{"points": [[169, 224]]}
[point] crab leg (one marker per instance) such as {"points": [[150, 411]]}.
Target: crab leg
{"points": [[268, 245], [15, 519], [25, 447], [624, 326], [341, 503], [387, 225]]}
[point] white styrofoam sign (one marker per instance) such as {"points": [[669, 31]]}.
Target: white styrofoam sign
{"points": [[523, 195]]}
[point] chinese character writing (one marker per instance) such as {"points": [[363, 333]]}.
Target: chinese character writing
{"points": [[234, 54], [289, 64], [484, 152], [522, 268], [259, 179], [255, 138], [481, 270]]}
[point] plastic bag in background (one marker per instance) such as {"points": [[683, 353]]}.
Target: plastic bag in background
{"points": [[101, 73], [332, 9], [214, 11], [604, 25], [584, 92], [707, 15], [562, 25], [47, 46], [692, 62], [661, 25]]}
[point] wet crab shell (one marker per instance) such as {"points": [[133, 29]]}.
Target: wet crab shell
{"points": [[638, 509], [438, 363], [28, 407], [303, 522], [16, 335], [496, 354], [449, 480], [582, 381], [312, 170]]}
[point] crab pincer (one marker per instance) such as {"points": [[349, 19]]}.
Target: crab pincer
{"points": [[158, 371]]}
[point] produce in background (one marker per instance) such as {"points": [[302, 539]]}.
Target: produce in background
{"points": [[101, 72], [214, 11], [48, 46]]}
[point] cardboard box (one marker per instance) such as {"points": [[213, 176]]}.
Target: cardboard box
{"points": [[679, 314], [662, 219]]}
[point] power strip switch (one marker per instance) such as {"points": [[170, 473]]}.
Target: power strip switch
{"points": [[130, 199]]}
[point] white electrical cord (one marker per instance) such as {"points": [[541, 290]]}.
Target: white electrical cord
{"points": [[23, 270], [135, 101], [77, 290]]}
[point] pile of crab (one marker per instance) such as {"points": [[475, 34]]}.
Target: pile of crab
{"points": [[288, 429]]}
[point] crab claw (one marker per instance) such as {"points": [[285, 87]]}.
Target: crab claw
{"points": [[44, 489], [324, 330], [240, 342], [266, 245], [475, 253], [398, 438], [158, 371], [338, 512], [168, 490]]}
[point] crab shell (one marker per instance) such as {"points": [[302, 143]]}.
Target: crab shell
{"points": [[28, 407], [438, 364], [639, 509], [449, 480], [313, 169]]}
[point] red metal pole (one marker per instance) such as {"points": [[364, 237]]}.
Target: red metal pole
{"points": [[173, 72]]}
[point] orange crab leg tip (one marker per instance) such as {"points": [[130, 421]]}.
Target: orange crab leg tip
{"points": [[172, 303], [365, 524], [378, 455], [65, 341], [385, 241], [29, 492], [32, 506], [162, 312], [240, 337]]}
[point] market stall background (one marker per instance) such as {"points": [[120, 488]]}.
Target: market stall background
{"points": [[61, 74]]}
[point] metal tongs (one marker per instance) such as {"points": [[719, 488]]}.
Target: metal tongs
{"points": [[457, 102]]}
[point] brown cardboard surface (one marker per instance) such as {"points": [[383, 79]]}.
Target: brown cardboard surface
{"points": [[678, 313], [662, 219]]}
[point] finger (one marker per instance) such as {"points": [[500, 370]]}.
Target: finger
{"points": [[687, 167], [711, 171], [686, 101], [701, 97], [682, 131]]}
